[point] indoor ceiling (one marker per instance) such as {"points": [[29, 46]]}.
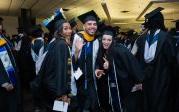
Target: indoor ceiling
{"points": [[117, 12]]}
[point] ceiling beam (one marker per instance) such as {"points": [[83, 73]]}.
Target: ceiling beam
{"points": [[34, 4], [9, 7], [150, 4], [145, 9], [105, 8]]}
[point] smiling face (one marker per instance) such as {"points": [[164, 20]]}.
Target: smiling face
{"points": [[90, 27], [66, 31], [106, 41]]}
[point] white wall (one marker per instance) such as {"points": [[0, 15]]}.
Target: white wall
{"points": [[10, 24]]}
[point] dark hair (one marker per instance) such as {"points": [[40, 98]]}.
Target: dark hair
{"points": [[103, 52], [59, 28], [35, 31]]}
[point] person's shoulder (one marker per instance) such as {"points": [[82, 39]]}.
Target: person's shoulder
{"points": [[79, 34], [165, 36], [118, 47], [38, 41], [60, 42]]}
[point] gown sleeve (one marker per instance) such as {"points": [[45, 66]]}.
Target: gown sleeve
{"points": [[61, 69], [130, 63]]}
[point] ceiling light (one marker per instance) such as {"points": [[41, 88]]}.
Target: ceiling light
{"points": [[125, 11]]}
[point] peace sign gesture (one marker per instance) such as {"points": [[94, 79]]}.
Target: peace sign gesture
{"points": [[106, 63]]}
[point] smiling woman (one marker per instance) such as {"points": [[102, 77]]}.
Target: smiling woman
{"points": [[56, 69], [106, 41], [118, 76]]}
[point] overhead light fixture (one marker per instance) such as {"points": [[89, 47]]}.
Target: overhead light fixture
{"points": [[105, 8], [125, 11], [65, 9]]}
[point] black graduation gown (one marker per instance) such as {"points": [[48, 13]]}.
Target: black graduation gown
{"points": [[127, 69], [157, 74], [53, 72], [177, 84], [9, 101], [128, 74], [87, 96], [25, 63]]}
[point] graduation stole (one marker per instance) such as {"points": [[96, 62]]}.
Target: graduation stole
{"points": [[87, 37], [69, 65], [114, 92], [152, 40], [6, 61], [2, 42]]}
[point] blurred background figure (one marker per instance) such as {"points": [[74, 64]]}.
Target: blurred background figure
{"points": [[9, 79], [156, 56]]}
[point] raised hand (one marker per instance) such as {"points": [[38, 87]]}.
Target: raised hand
{"points": [[106, 63], [79, 45]]}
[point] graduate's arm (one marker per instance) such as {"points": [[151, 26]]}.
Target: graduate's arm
{"points": [[76, 46], [61, 69], [131, 64], [177, 56], [3, 77], [169, 50], [133, 67], [97, 62], [76, 52], [98, 72], [4, 82], [170, 55]]}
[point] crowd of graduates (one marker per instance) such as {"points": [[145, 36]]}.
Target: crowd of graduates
{"points": [[97, 69]]}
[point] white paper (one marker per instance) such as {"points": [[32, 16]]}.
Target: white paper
{"points": [[78, 73], [136, 88], [60, 106], [65, 107]]}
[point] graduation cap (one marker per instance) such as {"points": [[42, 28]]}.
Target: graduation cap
{"points": [[155, 19], [101, 26], [73, 22], [49, 23], [91, 15], [109, 30], [155, 14]]}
